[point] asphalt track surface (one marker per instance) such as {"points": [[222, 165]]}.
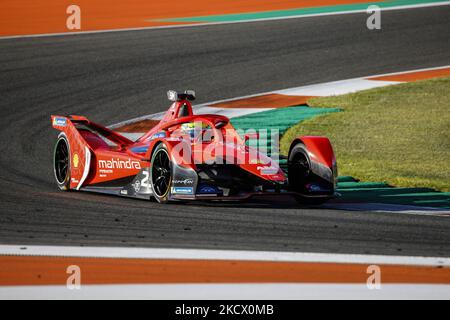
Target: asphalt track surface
{"points": [[113, 77]]}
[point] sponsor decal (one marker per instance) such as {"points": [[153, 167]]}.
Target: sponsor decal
{"points": [[105, 173], [183, 190], [267, 171], [76, 160], [159, 135], [137, 186], [208, 190], [124, 192], [186, 182], [142, 149], [74, 180], [60, 122], [119, 164]]}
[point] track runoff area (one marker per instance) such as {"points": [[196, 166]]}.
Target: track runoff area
{"points": [[52, 272]]}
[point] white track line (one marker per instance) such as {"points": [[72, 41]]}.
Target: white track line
{"points": [[230, 292], [197, 254], [326, 84], [424, 5], [409, 71], [320, 88], [337, 88]]}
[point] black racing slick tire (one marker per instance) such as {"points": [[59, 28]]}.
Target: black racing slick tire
{"points": [[62, 162], [299, 170], [161, 174], [299, 167]]}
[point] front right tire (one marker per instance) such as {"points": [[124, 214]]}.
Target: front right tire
{"points": [[161, 174], [299, 167], [299, 170]]}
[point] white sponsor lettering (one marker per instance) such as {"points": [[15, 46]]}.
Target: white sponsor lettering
{"points": [[119, 164], [268, 170], [185, 181]]}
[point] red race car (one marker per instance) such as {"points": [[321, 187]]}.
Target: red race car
{"points": [[188, 157]]}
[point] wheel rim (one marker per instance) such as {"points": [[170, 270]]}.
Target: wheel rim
{"points": [[301, 165], [161, 173], [62, 159]]}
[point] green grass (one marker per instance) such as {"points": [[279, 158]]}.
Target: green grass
{"points": [[398, 134]]}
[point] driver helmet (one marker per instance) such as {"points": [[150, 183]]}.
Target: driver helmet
{"points": [[194, 129]]}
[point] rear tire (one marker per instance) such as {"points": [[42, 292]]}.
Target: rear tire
{"points": [[62, 162], [161, 174]]}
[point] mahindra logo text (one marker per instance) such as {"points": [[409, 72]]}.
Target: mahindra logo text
{"points": [[119, 164]]}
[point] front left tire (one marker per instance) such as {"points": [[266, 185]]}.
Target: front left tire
{"points": [[61, 162]]}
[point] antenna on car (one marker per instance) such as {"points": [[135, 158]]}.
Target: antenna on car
{"points": [[174, 96]]}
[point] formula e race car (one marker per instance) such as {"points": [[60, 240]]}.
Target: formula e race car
{"points": [[188, 157]]}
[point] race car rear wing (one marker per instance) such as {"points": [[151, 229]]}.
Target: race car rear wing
{"points": [[60, 123], [80, 150]]}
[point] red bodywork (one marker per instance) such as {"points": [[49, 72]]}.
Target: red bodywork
{"points": [[100, 156]]}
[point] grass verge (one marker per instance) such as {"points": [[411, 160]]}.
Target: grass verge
{"points": [[398, 134]]}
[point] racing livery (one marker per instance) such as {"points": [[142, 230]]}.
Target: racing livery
{"points": [[188, 157]]}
